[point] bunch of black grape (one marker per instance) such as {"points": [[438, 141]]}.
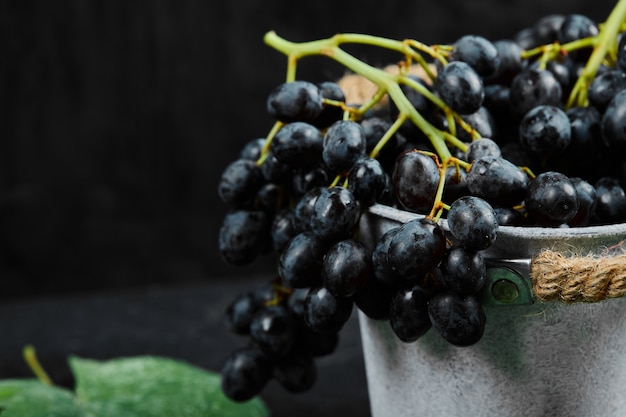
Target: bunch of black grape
{"points": [[521, 156]]}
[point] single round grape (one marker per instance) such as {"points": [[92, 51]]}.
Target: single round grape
{"points": [[242, 235], [296, 101], [546, 29], [275, 171], [415, 178], [509, 52], [329, 114], [239, 182], [282, 229], [534, 87], [240, 311], [545, 130], [588, 198], [463, 271], [335, 214], [417, 247], [408, 313], [252, 149], [611, 202], [305, 179], [273, 329], [482, 147], [478, 52], [303, 211], [296, 373], [586, 136], [459, 320], [614, 123], [575, 27], [481, 121], [508, 216], [300, 263], [344, 144], [270, 198], [245, 373], [604, 87], [382, 270], [325, 313], [552, 199], [298, 144], [346, 268], [497, 180], [367, 180], [473, 223], [460, 87]]}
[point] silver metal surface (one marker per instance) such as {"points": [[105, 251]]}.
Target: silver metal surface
{"points": [[535, 359]]}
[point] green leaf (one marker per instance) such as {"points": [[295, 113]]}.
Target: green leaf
{"points": [[154, 387], [31, 398]]}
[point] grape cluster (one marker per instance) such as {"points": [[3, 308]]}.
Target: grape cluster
{"points": [[518, 132]]}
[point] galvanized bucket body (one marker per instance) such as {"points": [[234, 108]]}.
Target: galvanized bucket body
{"points": [[535, 359]]}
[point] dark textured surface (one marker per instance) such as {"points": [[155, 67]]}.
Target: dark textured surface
{"points": [[183, 322]]}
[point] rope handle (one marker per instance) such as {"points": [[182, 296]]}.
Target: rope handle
{"points": [[556, 277]]}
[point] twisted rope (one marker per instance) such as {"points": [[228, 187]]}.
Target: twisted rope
{"points": [[578, 279]]}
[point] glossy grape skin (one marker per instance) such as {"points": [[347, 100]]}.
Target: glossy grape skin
{"points": [[303, 211], [252, 149], [346, 268], [367, 180], [604, 87], [408, 313], [305, 179], [509, 54], [374, 128], [240, 180], [545, 130], [296, 101], [273, 329], [282, 229], [382, 270], [335, 214], [508, 216], [546, 29], [417, 247], [482, 147], [242, 236], [459, 320], [478, 52], [481, 121], [611, 201], [240, 311], [296, 373], [298, 144], [497, 181], [300, 263], [329, 114], [344, 144], [415, 178], [552, 199], [460, 87], [463, 271], [473, 223], [275, 171], [533, 87], [455, 183], [614, 123], [586, 143], [574, 27], [587, 197], [325, 313], [245, 373], [423, 106]]}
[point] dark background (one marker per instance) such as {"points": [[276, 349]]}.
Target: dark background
{"points": [[116, 120]]}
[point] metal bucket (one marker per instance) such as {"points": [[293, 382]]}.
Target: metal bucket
{"points": [[535, 358]]}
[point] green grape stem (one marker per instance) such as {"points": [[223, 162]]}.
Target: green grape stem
{"points": [[386, 82], [604, 42]]}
